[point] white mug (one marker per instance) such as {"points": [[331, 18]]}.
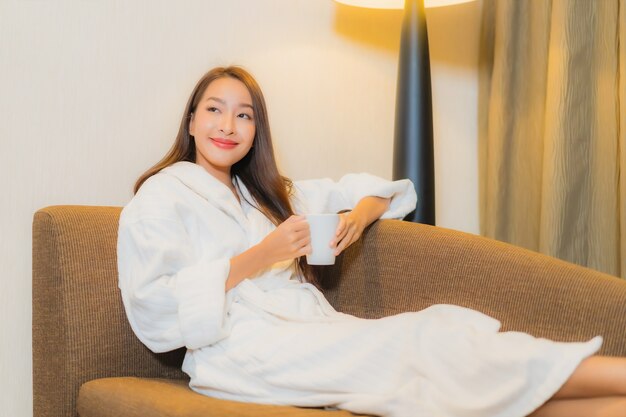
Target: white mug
{"points": [[323, 228]]}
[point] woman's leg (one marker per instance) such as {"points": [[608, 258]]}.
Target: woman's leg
{"points": [[585, 407], [597, 376], [596, 389]]}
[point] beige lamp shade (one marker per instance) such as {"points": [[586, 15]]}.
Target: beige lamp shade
{"points": [[397, 4]]}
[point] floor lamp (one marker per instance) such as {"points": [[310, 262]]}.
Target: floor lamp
{"points": [[413, 137]]}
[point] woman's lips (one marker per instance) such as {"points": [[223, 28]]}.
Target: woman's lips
{"points": [[224, 143]]}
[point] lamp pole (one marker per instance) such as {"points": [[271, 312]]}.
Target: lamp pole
{"points": [[413, 154]]}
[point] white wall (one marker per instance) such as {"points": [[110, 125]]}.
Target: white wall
{"points": [[91, 93]]}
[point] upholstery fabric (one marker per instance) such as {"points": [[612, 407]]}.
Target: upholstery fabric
{"points": [[80, 332], [141, 397]]}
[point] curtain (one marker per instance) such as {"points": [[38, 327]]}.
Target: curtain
{"points": [[552, 128]]}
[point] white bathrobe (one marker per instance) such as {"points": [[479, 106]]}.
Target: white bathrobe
{"points": [[273, 339]]}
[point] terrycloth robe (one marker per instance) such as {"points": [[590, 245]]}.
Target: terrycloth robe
{"points": [[274, 339]]}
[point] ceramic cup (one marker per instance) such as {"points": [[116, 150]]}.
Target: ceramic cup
{"points": [[323, 228]]}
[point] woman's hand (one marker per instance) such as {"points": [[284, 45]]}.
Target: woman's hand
{"points": [[349, 230], [352, 224], [291, 239]]}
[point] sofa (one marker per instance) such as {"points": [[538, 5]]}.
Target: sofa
{"points": [[88, 362]]}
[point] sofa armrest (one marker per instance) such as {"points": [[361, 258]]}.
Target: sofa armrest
{"points": [[80, 330], [400, 266]]}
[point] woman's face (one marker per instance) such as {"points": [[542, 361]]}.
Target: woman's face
{"points": [[223, 126]]}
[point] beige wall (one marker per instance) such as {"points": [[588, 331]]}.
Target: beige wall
{"points": [[91, 92]]}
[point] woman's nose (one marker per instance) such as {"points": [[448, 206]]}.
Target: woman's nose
{"points": [[227, 125]]}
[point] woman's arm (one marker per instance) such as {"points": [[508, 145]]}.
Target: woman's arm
{"points": [[327, 196], [172, 296], [352, 224], [291, 239]]}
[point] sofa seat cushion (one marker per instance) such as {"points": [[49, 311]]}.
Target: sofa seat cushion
{"points": [[146, 397]]}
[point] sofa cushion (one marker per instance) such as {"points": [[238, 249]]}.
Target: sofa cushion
{"points": [[146, 397]]}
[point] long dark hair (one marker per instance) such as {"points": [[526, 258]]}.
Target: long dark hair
{"points": [[257, 170]]}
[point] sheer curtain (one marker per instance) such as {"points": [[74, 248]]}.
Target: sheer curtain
{"points": [[553, 128]]}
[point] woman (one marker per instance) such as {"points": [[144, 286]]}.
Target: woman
{"points": [[210, 255]]}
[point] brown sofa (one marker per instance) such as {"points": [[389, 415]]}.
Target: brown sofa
{"points": [[86, 359]]}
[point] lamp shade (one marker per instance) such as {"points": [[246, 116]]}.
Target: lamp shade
{"points": [[397, 4]]}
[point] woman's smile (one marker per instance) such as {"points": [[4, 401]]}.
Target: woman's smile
{"points": [[224, 143]]}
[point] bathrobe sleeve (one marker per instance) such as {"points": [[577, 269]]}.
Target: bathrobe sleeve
{"points": [[172, 296], [327, 196]]}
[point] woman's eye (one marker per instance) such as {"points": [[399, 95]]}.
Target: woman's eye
{"points": [[212, 109], [245, 116]]}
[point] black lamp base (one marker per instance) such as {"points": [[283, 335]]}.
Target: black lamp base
{"points": [[413, 156]]}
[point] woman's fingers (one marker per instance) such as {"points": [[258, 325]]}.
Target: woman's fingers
{"points": [[300, 236], [350, 233], [305, 250], [350, 237], [297, 225], [293, 218], [291, 239], [341, 230], [341, 226]]}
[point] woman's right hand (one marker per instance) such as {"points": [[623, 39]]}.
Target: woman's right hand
{"points": [[291, 239]]}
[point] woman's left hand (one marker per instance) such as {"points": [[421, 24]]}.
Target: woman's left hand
{"points": [[349, 230]]}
